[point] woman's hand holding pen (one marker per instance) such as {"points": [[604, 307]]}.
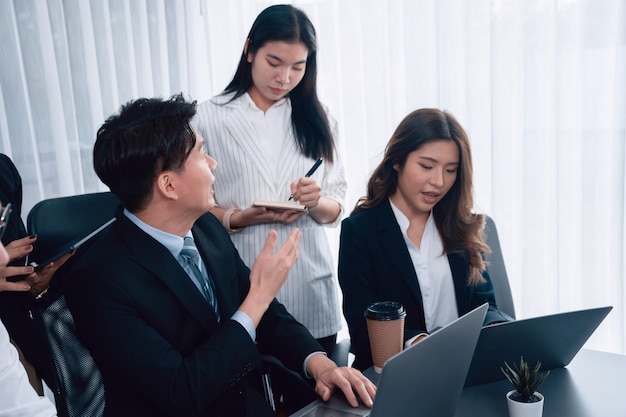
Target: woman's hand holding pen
{"points": [[306, 191], [323, 210]]}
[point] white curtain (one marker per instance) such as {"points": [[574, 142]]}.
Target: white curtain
{"points": [[540, 85]]}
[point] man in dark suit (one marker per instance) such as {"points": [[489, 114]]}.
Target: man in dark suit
{"points": [[170, 342]]}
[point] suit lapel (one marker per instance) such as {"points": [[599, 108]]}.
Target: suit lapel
{"points": [[155, 258], [395, 248], [242, 132], [290, 159]]}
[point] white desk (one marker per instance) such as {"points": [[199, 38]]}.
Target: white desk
{"points": [[592, 385]]}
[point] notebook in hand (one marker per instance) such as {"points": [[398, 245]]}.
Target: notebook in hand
{"points": [[423, 380], [279, 205], [553, 340]]}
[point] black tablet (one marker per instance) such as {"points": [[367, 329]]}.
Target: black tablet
{"points": [[62, 251]]}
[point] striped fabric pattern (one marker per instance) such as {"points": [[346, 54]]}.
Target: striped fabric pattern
{"points": [[189, 259], [242, 175]]}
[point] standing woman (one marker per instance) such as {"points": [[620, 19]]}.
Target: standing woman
{"points": [[267, 129], [414, 238]]}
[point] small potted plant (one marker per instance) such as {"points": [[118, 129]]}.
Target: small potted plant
{"points": [[524, 400]]}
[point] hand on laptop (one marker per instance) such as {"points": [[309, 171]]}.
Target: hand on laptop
{"points": [[328, 377]]}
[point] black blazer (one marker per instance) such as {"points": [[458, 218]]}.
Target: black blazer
{"points": [[11, 192], [157, 341], [375, 265], [19, 310]]}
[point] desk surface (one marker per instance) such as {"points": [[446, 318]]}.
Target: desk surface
{"points": [[592, 385]]}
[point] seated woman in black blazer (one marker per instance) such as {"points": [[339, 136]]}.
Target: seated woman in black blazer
{"points": [[414, 238]]}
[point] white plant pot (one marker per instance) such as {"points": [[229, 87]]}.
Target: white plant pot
{"points": [[518, 409]]}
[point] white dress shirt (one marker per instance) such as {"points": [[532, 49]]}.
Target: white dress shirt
{"points": [[433, 273], [247, 169], [17, 396], [270, 127]]}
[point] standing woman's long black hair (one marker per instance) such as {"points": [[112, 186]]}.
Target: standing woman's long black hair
{"points": [[309, 122]]}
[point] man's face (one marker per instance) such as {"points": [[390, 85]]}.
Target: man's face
{"points": [[195, 180]]}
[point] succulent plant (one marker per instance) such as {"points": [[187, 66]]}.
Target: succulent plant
{"points": [[524, 380]]}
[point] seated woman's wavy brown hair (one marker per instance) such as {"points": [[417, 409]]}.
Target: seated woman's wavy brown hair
{"points": [[459, 227]]}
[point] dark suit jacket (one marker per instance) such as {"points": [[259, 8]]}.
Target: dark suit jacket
{"points": [[375, 265], [11, 192], [19, 310], [156, 340]]}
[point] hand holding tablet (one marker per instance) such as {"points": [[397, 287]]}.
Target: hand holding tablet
{"points": [[58, 254]]}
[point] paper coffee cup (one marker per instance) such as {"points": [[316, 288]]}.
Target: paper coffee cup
{"points": [[385, 326]]}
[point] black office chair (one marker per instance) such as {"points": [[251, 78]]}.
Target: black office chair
{"points": [[497, 270], [57, 222]]}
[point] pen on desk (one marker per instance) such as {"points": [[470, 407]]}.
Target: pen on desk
{"points": [[310, 172]]}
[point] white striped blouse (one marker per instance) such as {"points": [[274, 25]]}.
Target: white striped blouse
{"points": [[244, 174]]}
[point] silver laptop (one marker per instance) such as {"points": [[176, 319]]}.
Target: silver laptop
{"points": [[423, 380], [554, 340]]}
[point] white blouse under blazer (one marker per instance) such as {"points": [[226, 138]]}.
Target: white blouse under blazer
{"points": [[243, 175]]}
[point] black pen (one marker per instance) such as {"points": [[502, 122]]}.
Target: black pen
{"points": [[314, 168]]}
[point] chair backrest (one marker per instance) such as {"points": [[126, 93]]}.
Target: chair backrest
{"points": [[57, 222], [497, 270], [79, 390], [63, 220]]}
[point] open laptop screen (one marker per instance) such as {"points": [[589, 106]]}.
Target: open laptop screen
{"points": [[553, 340]]}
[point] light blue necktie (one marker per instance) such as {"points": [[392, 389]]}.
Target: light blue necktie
{"points": [[190, 261]]}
